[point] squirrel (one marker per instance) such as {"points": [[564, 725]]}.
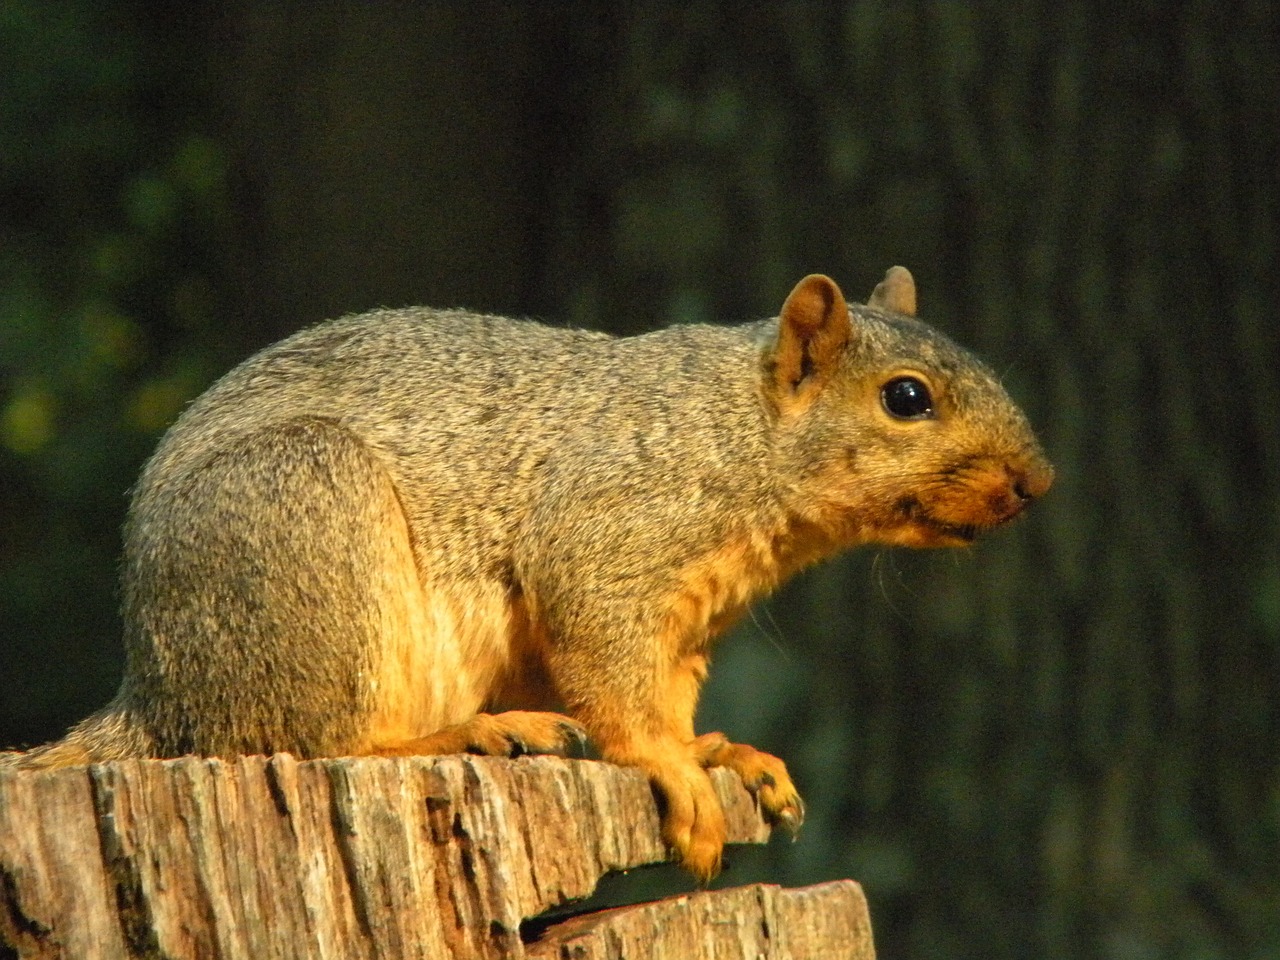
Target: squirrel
{"points": [[417, 532]]}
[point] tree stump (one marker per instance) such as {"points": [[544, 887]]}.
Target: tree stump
{"points": [[432, 857]]}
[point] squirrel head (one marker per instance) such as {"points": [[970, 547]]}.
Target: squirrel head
{"points": [[891, 432]]}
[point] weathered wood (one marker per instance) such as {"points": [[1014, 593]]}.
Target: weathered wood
{"points": [[428, 857], [766, 922]]}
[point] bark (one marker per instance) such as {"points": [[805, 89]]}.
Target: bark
{"points": [[264, 858]]}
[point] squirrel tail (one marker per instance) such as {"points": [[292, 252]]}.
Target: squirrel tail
{"points": [[110, 734]]}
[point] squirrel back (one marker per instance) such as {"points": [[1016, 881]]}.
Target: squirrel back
{"points": [[378, 533]]}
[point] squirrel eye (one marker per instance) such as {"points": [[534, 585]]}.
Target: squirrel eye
{"points": [[907, 398]]}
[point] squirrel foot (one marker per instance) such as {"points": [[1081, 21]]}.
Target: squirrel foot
{"points": [[510, 734], [693, 823], [762, 773]]}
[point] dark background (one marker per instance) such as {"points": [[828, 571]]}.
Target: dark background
{"points": [[1062, 743]]}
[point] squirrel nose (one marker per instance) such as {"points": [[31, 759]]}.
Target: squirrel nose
{"points": [[1032, 481]]}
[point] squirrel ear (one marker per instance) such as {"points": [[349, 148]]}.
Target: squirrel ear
{"points": [[813, 330], [896, 292]]}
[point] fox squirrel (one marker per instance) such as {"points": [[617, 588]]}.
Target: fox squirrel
{"points": [[418, 532]]}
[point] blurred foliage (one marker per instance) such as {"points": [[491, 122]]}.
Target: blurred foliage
{"points": [[112, 211], [1058, 744]]}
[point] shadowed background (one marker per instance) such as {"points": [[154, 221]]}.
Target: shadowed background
{"points": [[1061, 743]]}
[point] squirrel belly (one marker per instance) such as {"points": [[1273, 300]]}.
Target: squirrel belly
{"points": [[419, 531]]}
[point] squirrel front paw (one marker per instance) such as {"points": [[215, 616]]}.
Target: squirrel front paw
{"points": [[762, 773], [693, 823]]}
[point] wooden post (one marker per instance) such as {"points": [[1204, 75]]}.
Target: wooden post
{"points": [[434, 857]]}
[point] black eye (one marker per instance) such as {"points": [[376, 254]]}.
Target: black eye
{"points": [[907, 399]]}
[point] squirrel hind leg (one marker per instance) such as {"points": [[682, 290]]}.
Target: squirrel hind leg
{"points": [[274, 582], [509, 734]]}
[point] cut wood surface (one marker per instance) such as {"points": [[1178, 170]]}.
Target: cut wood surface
{"points": [[757, 921], [433, 857]]}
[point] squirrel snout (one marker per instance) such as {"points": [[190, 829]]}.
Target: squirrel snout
{"points": [[1031, 481], [976, 497], [1023, 483]]}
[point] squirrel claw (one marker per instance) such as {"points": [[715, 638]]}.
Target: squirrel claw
{"points": [[790, 817], [574, 739], [516, 746]]}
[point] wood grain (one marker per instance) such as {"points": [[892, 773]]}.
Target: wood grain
{"points": [[431, 857]]}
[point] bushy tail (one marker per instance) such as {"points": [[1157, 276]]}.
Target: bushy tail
{"points": [[110, 734]]}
